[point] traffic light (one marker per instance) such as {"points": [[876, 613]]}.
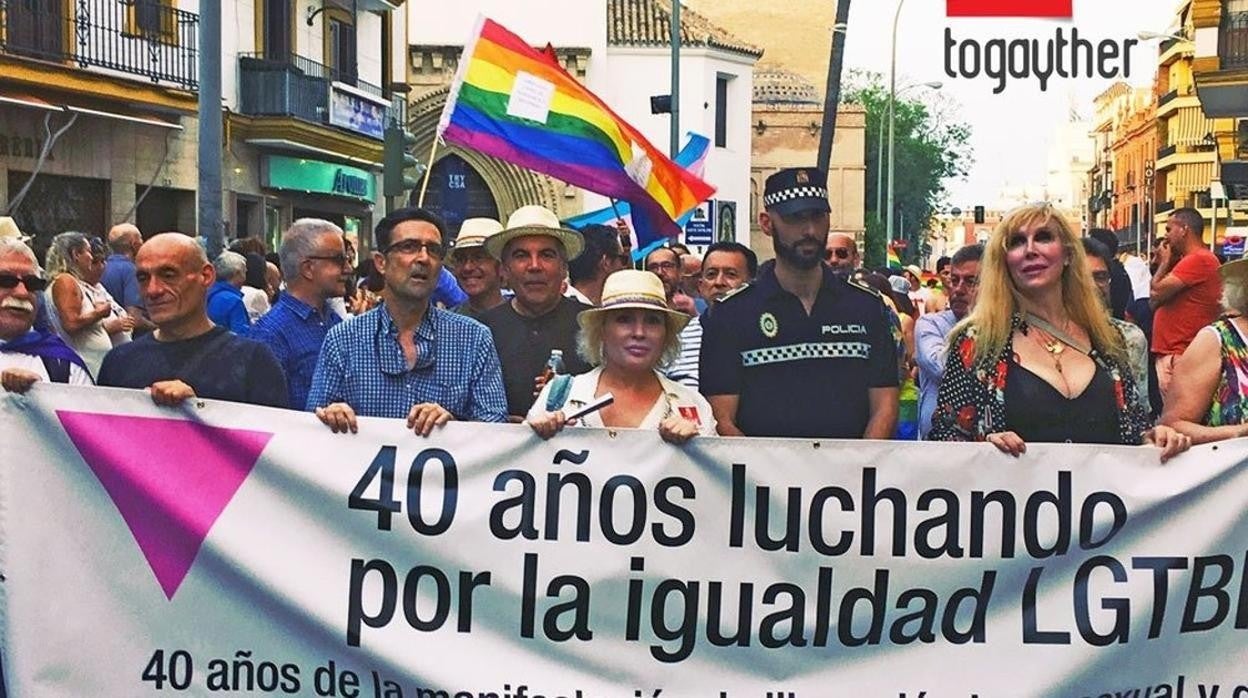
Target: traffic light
{"points": [[979, 214], [399, 173]]}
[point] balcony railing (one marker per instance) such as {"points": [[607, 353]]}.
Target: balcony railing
{"points": [[1167, 98], [1163, 206], [1233, 40], [144, 38], [1167, 151], [291, 86]]}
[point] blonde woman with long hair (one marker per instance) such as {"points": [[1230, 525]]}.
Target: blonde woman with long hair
{"points": [[1037, 360]]}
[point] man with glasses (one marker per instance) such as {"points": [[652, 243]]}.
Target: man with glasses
{"points": [[728, 266], [842, 253], [931, 332], [802, 352], [475, 270], [316, 268], [28, 356], [408, 358], [664, 262], [534, 250]]}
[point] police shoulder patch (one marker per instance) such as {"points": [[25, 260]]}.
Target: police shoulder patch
{"points": [[733, 292], [861, 285]]}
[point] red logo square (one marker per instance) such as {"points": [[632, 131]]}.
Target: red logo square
{"points": [[1010, 8]]}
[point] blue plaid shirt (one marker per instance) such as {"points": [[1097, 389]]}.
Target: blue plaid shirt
{"points": [[457, 367], [295, 331]]}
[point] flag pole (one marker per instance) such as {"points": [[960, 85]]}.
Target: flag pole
{"points": [[615, 209], [424, 185]]}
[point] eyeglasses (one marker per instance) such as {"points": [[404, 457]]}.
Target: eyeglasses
{"points": [[660, 266], [967, 281], [33, 283], [838, 252], [1101, 277], [412, 246], [338, 259]]}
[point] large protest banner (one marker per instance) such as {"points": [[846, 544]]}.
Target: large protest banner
{"points": [[223, 548]]}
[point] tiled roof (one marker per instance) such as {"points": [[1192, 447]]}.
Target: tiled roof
{"points": [[648, 23]]}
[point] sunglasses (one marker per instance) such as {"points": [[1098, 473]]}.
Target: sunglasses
{"points": [[33, 283], [839, 253], [412, 247], [337, 259]]}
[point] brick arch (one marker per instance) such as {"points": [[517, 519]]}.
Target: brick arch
{"points": [[511, 186]]}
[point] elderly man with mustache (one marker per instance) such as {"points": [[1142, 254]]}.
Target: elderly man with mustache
{"points": [[28, 356]]}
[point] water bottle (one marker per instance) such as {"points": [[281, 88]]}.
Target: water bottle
{"points": [[554, 365]]}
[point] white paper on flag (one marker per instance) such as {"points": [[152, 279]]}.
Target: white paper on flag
{"points": [[152, 551]]}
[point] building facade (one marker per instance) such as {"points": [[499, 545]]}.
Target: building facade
{"points": [[306, 87], [1220, 71], [621, 50]]}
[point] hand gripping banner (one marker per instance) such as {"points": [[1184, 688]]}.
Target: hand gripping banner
{"points": [[221, 548]]}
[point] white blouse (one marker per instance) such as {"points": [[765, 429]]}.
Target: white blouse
{"points": [[676, 399]]}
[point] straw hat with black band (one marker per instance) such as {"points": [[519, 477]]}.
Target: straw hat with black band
{"points": [[535, 220], [633, 288]]}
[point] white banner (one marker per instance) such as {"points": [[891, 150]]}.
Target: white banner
{"points": [[224, 548]]}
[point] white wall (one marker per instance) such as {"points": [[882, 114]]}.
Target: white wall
{"points": [[633, 75], [562, 23]]}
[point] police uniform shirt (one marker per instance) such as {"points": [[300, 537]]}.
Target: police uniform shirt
{"points": [[799, 375]]}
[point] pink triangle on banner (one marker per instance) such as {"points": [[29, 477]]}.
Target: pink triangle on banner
{"points": [[169, 478]]}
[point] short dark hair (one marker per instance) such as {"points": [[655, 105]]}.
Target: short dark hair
{"points": [[1191, 218], [968, 253], [600, 241], [679, 247], [385, 227], [1095, 248], [751, 259], [942, 263], [1105, 237], [663, 248]]}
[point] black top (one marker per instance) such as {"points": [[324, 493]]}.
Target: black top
{"points": [[218, 365], [799, 375], [1038, 413], [524, 346]]}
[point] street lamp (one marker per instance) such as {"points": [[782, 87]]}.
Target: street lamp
{"points": [[879, 159], [892, 103], [1153, 36]]}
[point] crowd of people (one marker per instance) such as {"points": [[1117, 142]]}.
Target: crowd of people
{"points": [[1036, 335]]}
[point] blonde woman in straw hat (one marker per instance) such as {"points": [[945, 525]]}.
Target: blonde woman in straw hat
{"points": [[1208, 398], [627, 339]]}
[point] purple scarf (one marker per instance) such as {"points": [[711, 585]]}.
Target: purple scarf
{"points": [[45, 345]]}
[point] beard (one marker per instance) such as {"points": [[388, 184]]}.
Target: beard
{"points": [[795, 257]]}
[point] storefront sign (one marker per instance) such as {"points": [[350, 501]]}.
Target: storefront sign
{"points": [[357, 111], [317, 177]]}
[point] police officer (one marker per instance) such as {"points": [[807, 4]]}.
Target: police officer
{"points": [[801, 352]]}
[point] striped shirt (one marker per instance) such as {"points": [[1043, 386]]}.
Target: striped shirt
{"points": [[684, 369]]}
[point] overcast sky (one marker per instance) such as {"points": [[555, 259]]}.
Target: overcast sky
{"points": [[1011, 130]]}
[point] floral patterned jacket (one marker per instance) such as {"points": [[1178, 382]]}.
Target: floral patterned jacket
{"points": [[971, 401]]}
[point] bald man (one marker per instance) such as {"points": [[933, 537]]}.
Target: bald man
{"points": [[841, 253], [187, 356], [124, 240]]}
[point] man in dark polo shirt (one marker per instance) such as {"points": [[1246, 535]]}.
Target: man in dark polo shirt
{"points": [[801, 352], [534, 250]]}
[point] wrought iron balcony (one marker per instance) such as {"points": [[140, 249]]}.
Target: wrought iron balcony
{"points": [[143, 38], [1233, 40], [1167, 98], [291, 86]]}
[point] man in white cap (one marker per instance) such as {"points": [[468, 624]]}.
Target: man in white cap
{"points": [[534, 250], [475, 270], [28, 356]]}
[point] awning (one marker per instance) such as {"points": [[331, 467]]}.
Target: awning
{"points": [[64, 106], [1189, 126], [1194, 176]]}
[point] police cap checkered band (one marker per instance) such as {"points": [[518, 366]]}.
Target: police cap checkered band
{"points": [[796, 189], [783, 195]]}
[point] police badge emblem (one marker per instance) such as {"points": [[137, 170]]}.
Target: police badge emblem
{"points": [[767, 323]]}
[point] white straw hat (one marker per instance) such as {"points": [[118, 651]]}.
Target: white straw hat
{"points": [[535, 220], [633, 288], [9, 229], [474, 231]]}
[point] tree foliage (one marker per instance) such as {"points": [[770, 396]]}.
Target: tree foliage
{"points": [[931, 148]]}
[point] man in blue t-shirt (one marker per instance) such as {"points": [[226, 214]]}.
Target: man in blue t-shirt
{"points": [[187, 356], [124, 240]]}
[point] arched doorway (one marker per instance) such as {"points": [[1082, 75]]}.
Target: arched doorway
{"points": [[457, 191]]}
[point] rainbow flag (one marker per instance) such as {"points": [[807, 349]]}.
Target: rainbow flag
{"points": [[894, 261], [512, 102]]}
